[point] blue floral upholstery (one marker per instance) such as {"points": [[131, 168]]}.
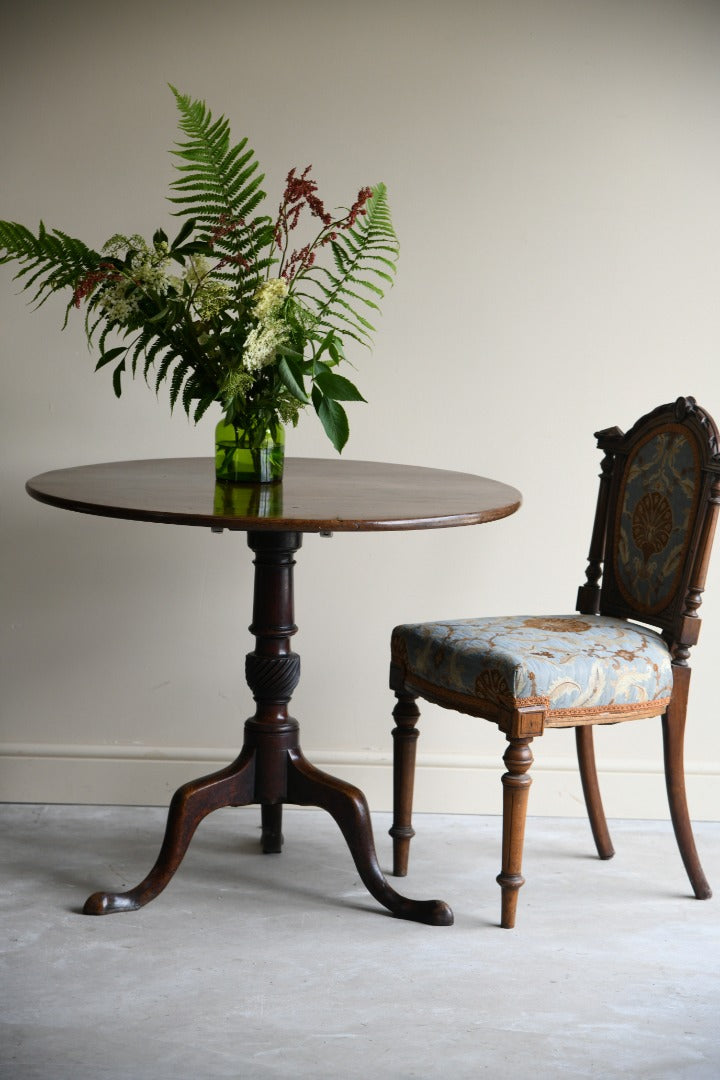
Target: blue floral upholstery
{"points": [[579, 664], [657, 504]]}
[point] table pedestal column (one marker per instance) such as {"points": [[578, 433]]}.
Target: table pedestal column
{"points": [[271, 769]]}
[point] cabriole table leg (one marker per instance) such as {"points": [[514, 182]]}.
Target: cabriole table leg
{"points": [[308, 786], [232, 786]]}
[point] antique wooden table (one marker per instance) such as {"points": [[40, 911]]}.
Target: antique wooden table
{"points": [[315, 496]]}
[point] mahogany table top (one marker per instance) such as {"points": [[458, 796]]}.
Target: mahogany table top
{"points": [[315, 495]]}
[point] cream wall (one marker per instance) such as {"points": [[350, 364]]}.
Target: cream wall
{"points": [[553, 167]]}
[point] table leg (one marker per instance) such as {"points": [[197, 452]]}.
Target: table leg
{"points": [[272, 837], [308, 786], [271, 769], [232, 786]]}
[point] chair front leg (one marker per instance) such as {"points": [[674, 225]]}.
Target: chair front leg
{"points": [[591, 791], [516, 787], [405, 736]]}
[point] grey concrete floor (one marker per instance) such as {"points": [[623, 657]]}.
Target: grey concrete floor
{"points": [[282, 966]]}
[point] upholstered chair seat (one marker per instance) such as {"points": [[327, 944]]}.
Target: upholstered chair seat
{"points": [[622, 656], [569, 665]]}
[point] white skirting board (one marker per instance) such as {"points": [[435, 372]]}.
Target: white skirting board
{"points": [[450, 784]]}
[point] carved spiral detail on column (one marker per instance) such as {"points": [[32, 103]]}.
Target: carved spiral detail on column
{"points": [[272, 678]]}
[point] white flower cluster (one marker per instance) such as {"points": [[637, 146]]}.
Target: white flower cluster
{"points": [[262, 342], [120, 301], [268, 299], [116, 306]]}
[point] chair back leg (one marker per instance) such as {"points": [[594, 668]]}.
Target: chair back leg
{"points": [[591, 790], [516, 787], [673, 726], [405, 736]]}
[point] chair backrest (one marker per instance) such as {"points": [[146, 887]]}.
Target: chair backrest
{"points": [[657, 507]]}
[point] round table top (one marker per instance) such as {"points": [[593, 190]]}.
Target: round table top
{"points": [[315, 495]]}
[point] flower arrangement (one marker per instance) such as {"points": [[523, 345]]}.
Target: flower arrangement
{"points": [[228, 311]]}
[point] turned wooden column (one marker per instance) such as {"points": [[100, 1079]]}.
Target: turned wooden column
{"points": [[272, 671]]}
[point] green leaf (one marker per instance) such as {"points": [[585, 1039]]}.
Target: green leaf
{"points": [[195, 247], [319, 367], [108, 357], [292, 378], [184, 233], [335, 349], [334, 420], [117, 377], [325, 343], [285, 350], [337, 387]]}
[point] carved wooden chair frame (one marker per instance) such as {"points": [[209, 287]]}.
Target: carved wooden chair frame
{"points": [[678, 622]]}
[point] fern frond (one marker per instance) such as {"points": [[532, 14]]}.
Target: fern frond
{"points": [[189, 393], [365, 257], [49, 261], [139, 348], [202, 406], [151, 355], [179, 375], [218, 183], [336, 286]]}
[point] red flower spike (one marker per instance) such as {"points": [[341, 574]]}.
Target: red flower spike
{"points": [[238, 260], [299, 191], [225, 225], [358, 207], [106, 271], [298, 261]]}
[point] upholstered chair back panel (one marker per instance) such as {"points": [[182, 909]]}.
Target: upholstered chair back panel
{"points": [[655, 517]]}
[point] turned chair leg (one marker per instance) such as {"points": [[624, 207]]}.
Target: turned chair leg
{"points": [[405, 735], [673, 726], [591, 791], [516, 787]]}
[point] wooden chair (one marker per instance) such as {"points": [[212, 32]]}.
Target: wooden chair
{"points": [[656, 513]]}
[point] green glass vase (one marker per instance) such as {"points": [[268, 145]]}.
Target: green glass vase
{"points": [[243, 457]]}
